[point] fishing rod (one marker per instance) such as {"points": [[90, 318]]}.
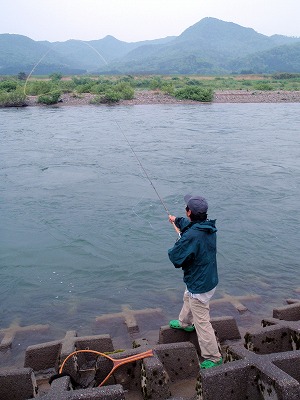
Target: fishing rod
{"points": [[148, 177]]}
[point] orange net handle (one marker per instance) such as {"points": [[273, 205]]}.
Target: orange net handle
{"points": [[116, 363], [122, 361]]}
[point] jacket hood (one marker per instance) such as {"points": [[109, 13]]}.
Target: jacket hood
{"points": [[208, 226]]}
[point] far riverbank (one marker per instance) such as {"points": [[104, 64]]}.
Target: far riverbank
{"points": [[157, 97]]}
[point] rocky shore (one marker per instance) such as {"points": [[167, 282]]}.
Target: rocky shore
{"points": [[156, 97]]}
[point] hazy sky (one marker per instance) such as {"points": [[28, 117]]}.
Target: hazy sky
{"points": [[136, 20]]}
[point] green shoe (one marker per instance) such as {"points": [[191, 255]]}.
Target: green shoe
{"points": [[175, 324], [210, 364]]}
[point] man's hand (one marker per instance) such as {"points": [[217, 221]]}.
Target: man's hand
{"points": [[172, 219]]}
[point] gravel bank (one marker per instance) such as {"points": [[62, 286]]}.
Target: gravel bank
{"points": [[156, 97], [243, 96]]}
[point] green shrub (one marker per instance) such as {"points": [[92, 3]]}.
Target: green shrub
{"points": [[12, 99], [195, 93], [247, 83], [109, 97], [8, 86], [128, 78], [263, 86], [84, 88], [99, 88], [66, 86], [22, 76], [194, 82], [168, 88], [285, 75], [55, 76], [156, 83], [50, 98], [142, 83], [125, 90], [111, 93], [37, 88], [81, 80], [127, 93]]}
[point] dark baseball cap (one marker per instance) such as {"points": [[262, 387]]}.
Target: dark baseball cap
{"points": [[197, 204]]}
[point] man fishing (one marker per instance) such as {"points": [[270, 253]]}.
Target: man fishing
{"points": [[195, 252]]}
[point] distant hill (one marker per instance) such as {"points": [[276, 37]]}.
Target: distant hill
{"points": [[20, 54], [279, 59], [209, 47]]}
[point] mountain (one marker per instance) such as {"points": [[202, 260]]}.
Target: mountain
{"points": [[279, 59], [209, 47], [20, 53], [94, 54]]}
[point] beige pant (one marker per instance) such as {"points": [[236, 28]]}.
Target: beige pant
{"points": [[197, 313]]}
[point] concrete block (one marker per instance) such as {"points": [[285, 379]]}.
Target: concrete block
{"points": [[271, 339], [44, 356], [292, 326], [169, 335], [67, 344], [101, 343], [180, 360], [289, 363], [232, 381], [17, 384], [265, 366], [11, 332], [226, 328], [140, 342], [290, 312], [60, 390], [171, 362], [276, 374], [129, 375], [155, 380]]}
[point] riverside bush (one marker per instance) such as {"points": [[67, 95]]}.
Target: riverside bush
{"points": [[263, 86], [195, 93], [84, 88], [125, 90], [168, 88], [99, 88], [156, 83], [8, 86], [37, 88], [114, 93], [109, 97], [50, 98], [12, 99]]}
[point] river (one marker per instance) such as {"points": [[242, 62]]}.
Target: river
{"points": [[83, 231]]}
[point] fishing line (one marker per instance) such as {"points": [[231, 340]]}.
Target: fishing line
{"points": [[146, 174], [53, 48], [31, 72], [137, 215]]}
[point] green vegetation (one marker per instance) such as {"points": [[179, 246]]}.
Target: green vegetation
{"points": [[11, 94], [195, 93], [112, 89], [50, 98], [14, 99]]}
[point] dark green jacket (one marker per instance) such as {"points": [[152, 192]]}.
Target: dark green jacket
{"points": [[196, 253]]}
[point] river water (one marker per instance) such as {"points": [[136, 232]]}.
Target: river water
{"points": [[83, 231]]}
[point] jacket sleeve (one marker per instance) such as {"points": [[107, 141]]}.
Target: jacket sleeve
{"points": [[182, 253], [181, 222]]}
